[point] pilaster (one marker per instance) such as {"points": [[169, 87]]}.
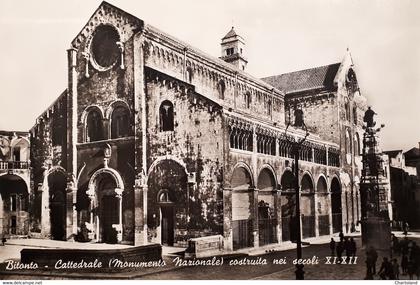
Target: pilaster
{"points": [[70, 209], [253, 198], [227, 219], [45, 207], [140, 210]]}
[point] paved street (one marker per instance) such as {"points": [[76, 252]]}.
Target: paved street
{"points": [[226, 271]]}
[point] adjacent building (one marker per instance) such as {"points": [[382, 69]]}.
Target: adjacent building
{"points": [[405, 186], [15, 183]]}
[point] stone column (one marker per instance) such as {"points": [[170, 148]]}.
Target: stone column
{"points": [[45, 207], [277, 210], [253, 199], [300, 217], [75, 221], [118, 227], [93, 232], [141, 144], [191, 187], [358, 214], [330, 220], [72, 112], [346, 224], [70, 209], [316, 214], [140, 211], [227, 219]]}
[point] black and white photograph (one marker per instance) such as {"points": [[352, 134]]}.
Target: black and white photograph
{"points": [[210, 140]]}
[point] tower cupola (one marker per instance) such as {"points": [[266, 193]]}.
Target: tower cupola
{"points": [[233, 49]]}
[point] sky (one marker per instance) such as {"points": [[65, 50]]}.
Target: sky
{"points": [[281, 36]]}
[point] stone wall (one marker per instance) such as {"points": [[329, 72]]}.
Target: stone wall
{"points": [[193, 148], [48, 151]]}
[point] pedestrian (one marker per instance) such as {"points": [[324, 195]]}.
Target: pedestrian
{"points": [[414, 250], [405, 228], [404, 246], [395, 244], [353, 247], [396, 268], [386, 271], [3, 240], [374, 259], [411, 268], [341, 235], [332, 247], [369, 262], [416, 259], [347, 247], [371, 257], [339, 249], [404, 263], [410, 248]]}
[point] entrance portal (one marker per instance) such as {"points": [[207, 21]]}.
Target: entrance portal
{"points": [[105, 191], [109, 217], [323, 207], [167, 229], [170, 213], [267, 214], [288, 207], [167, 218], [336, 208], [241, 208], [57, 189], [307, 207]]}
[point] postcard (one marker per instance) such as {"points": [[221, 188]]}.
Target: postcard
{"points": [[198, 140]]}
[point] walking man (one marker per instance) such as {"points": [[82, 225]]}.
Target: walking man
{"points": [[332, 247]]}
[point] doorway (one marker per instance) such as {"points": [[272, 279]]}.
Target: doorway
{"points": [[167, 225], [336, 208], [57, 184], [13, 225], [108, 217]]}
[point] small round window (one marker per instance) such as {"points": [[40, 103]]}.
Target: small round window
{"points": [[104, 46]]}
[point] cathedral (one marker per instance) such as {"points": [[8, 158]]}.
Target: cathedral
{"points": [[154, 141]]}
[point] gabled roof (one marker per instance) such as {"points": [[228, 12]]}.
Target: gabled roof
{"points": [[105, 7], [313, 78], [412, 153], [230, 34], [393, 153]]}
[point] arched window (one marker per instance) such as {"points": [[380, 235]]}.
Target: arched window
{"points": [[163, 196], [356, 144], [269, 107], [94, 126], [355, 115], [189, 74], [120, 123], [221, 87], [347, 144], [166, 116], [247, 99], [20, 150], [347, 110]]}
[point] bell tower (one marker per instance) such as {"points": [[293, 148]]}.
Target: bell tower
{"points": [[233, 49]]}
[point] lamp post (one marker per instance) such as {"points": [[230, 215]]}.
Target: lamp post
{"points": [[296, 145]]}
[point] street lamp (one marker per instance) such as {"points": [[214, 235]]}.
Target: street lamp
{"points": [[296, 145]]}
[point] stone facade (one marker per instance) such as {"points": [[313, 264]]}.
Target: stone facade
{"points": [[154, 141]]}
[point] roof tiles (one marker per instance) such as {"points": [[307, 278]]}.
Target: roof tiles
{"points": [[313, 78]]}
